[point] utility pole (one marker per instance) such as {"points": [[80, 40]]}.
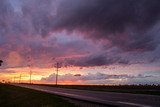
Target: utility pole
{"points": [[30, 72], [14, 79], [20, 79], [30, 76], [57, 66]]}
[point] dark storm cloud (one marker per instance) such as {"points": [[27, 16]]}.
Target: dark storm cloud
{"points": [[96, 60], [5, 12], [40, 13], [125, 23], [28, 19]]}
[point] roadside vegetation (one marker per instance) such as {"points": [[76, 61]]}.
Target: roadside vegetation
{"points": [[13, 96]]}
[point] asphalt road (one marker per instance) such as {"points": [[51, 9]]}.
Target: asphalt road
{"points": [[111, 98]]}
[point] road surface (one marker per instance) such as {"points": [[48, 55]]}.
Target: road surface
{"points": [[106, 98]]}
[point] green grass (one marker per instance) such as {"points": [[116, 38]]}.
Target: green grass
{"points": [[13, 96], [134, 89]]}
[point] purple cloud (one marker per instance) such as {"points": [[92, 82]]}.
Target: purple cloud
{"points": [[29, 28], [96, 76]]}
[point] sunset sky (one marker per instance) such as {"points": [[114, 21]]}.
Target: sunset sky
{"points": [[95, 41]]}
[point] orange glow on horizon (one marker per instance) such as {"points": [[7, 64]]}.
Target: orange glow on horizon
{"points": [[37, 74]]}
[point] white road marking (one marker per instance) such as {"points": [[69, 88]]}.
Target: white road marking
{"points": [[134, 104]]}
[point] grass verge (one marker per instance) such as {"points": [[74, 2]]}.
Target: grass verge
{"points": [[13, 96]]}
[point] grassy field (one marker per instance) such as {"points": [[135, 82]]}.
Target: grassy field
{"points": [[134, 89], [12, 96]]}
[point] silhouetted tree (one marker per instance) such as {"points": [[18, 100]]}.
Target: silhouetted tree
{"points": [[1, 62]]}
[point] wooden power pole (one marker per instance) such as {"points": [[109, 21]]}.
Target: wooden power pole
{"points": [[30, 75], [30, 72], [20, 78], [57, 68]]}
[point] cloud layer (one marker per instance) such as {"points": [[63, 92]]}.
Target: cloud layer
{"points": [[105, 32], [125, 24], [123, 78]]}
